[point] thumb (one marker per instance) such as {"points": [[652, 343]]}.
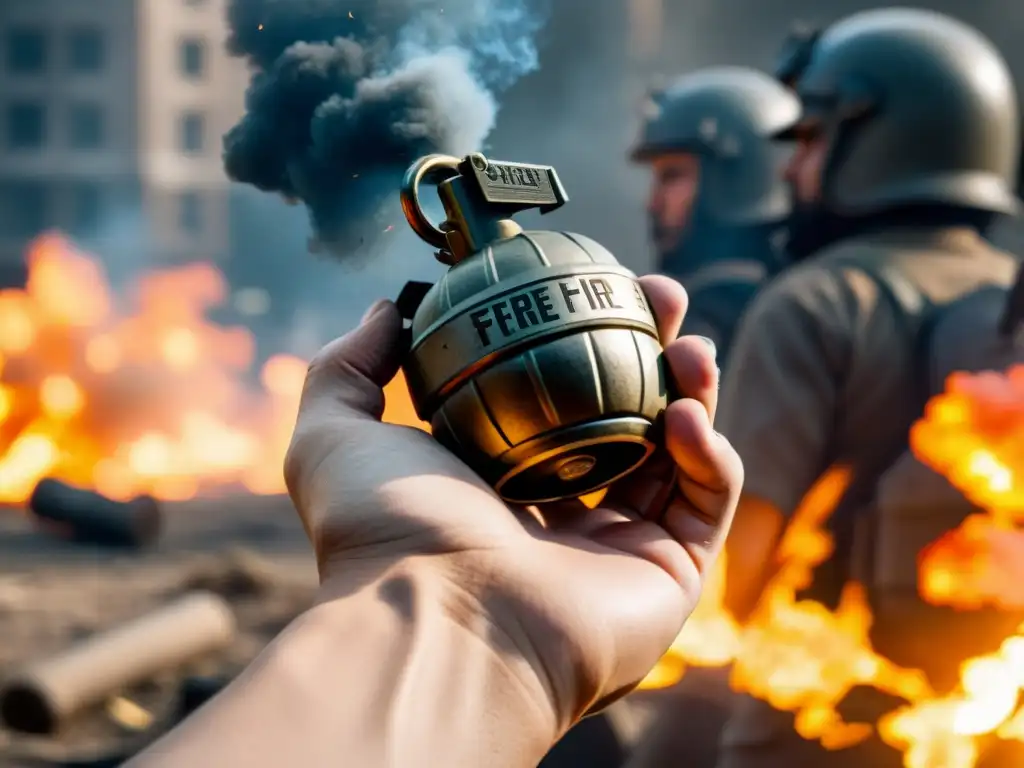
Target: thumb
{"points": [[350, 373], [343, 390]]}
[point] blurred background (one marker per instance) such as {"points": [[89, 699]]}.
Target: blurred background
{"points": [[113, 113], [160, 344]]}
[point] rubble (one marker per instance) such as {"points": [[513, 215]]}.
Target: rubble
{"points": [[88, 517], [40, 696], [250, 551], [238, 574]]}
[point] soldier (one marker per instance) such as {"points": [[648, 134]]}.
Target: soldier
{"points": [[906, 151], [717, 208], [717, 204]]}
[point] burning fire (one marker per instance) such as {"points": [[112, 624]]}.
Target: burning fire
{"points": [[149, 398], [971, 434], [153, 398], [803, 658]]}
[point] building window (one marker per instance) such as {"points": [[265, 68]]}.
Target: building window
{"points": [[190, 212], [23, 208], [26, 50], [192, 132], [85, 50], [86, 208], [86, 126], [192, 58], [26, 125]]}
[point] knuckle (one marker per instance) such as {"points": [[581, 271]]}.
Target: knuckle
{"points": [[702, 346], [320, 362], [327, 358], [297, 459], [730, 465], [292, 470]]}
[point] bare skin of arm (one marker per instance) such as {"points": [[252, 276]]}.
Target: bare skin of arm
{"points": [[452, 629], [379, 676]]}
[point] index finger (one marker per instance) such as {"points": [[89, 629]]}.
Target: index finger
{"points": [[668, 301], [709, 477], [347, 377], [695, 372]]}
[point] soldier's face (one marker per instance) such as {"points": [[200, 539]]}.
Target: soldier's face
{"points": [[804, 170], [809, 220], [675, 180]]}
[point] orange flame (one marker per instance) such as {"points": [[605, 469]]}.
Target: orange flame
{"points": [[150, 400], [154, 400], [971, 434], [801, 657]]}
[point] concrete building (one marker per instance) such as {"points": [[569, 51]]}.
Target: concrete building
{"points": [[646, 30], [112, 112], [111, 117]]}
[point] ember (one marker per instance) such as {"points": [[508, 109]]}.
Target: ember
{"points": [[149, 398]]}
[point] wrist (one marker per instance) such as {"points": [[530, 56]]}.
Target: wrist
{"points": [[450, 666]]}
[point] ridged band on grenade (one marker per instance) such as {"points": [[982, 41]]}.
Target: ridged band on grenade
{"points": [[489, 327]]}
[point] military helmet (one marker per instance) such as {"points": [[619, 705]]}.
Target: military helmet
{"points": [[796, 54], [727, 116], [920, 109]]}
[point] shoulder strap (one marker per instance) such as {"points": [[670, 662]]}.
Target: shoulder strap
{"points": [[902, 295], [914, 315]]}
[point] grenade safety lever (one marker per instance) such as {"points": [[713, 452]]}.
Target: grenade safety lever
{"points": [[479, 197]]}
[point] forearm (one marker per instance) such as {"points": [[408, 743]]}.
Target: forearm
{"points": [[380, 677]]}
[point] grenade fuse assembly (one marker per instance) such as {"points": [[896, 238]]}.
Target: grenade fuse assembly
{"points": [[536, 357]]}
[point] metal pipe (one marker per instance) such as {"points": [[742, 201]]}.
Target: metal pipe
{"points": [[88, 517], [45, 693]]}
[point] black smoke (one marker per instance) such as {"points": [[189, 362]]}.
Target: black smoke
{"points": [[346, 94]]}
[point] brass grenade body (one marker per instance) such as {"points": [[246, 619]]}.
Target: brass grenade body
{"points": [[536, 360]]}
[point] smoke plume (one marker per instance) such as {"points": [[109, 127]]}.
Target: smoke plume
{"points": [[345, 95]]}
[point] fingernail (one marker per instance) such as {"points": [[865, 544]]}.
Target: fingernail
{"points": [[376, 307], [710, 343]]}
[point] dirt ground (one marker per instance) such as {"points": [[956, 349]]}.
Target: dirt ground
{"points": [[251, 551]]}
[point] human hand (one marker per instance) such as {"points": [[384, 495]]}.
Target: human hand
{"points": [[589, 598]]}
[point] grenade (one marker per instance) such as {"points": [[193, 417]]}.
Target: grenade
{"points": [[535, 358]]}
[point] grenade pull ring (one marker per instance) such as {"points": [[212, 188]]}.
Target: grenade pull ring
{"points": [[480, 197]]}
